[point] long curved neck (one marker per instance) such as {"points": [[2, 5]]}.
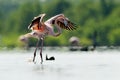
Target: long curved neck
{"points": [[46, 57]]}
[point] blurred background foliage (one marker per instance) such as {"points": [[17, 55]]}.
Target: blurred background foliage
{"points": [[95, 19]]}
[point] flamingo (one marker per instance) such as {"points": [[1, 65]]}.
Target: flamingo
{"points": [[40, 29]]}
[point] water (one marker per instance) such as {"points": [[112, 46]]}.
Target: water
{"points": [[91, 65]]}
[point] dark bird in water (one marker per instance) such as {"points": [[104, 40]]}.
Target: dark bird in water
{"points": [[50, 58]]}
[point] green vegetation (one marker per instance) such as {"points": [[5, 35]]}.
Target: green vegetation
{"points": [[93, 17]]}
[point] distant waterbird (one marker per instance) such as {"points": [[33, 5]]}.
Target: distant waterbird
{"points": [[40, 29]]}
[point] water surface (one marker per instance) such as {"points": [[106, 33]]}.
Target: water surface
{"points": [[77, 65]]}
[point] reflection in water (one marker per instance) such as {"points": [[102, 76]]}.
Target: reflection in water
{"points": [[92, 65], [38, 67]]}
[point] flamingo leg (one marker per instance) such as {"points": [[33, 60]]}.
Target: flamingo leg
{"points": [[41, 50], [35, 50]]}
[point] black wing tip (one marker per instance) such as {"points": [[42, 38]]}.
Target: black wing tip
{"points": [[70, 27], [73, 26]]}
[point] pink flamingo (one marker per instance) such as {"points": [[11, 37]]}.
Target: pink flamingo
{"points": [[41, 29]]}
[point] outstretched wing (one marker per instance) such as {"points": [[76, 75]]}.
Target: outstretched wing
{"points": [[37, 20], [61, 21]]}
